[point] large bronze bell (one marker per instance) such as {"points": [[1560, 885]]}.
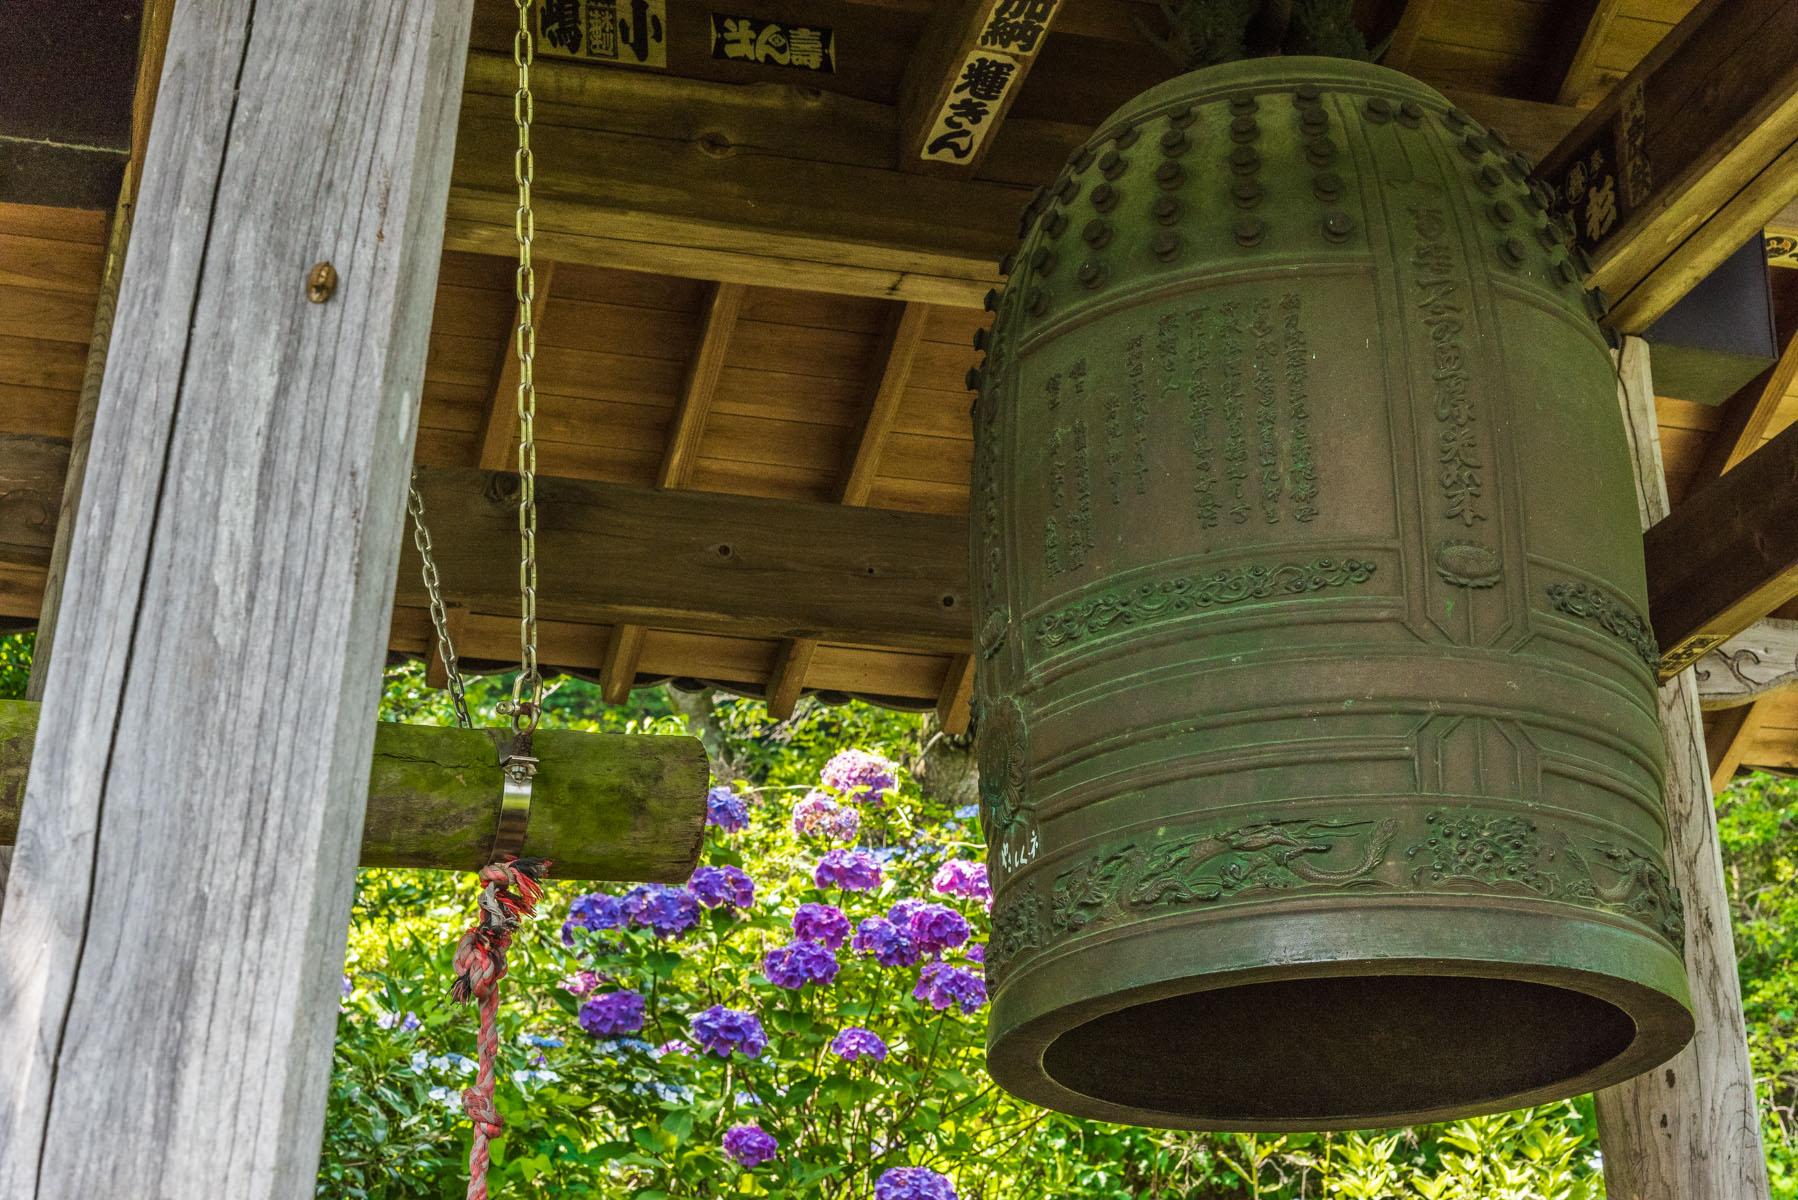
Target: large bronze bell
{"points": [[1319, 757]]}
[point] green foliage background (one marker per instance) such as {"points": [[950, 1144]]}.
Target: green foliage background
{"points": [[391, 1135], [395, 1129]]}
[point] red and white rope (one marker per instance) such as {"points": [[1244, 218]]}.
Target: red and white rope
{"points": [[509, 894]]}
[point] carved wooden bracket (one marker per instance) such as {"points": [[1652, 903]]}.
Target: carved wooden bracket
{"points": [[1762, 658]]}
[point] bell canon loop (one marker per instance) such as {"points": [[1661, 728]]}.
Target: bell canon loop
{"points": [[1320, 763]]}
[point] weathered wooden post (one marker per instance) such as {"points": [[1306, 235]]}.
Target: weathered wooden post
{"points": [[1690, 1129], [171, 943]]}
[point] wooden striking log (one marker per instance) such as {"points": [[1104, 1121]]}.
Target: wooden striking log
{"points": [[603, 806], [1691, 1127], [1727, 556]]}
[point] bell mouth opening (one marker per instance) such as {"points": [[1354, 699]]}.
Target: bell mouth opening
{"points": [[1338, 1052]]}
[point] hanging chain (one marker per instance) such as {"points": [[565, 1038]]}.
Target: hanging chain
{"points": [[527, 692], [446, 650]]}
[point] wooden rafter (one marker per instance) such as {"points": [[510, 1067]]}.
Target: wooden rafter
{"points": [[899, 345], [886, 387], [1748, 415], [973, 56], [718, 317], [1695, 149], [713, 181], [952, 703], [1583, 27], [499, 425]]}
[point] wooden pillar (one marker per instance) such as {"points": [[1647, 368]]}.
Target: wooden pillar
{"points": [[170, 949], [1688, 1130]]}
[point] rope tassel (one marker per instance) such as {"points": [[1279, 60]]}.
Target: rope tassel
{"points": [[509, 893]]}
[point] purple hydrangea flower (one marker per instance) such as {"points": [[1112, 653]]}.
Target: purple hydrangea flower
{"points": [[668, 910], [750, 1145], [405, 1024], [940, 985], [962, 877], [913, 1183], [729, 887], [856, 1042], [799, 963], [885, 942], [582, 982], [612, 1013], [934, 928], [596, 910], [725, 809], [349, 986], [976, 952], [722, 1030], [851, 870], [818, 815], [821, 923], [859, 776], [675, 1046]]}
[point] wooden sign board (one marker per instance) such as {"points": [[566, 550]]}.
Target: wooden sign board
{"points": [[990, 73], [773, 43], [1609, 178], [626, 33]]}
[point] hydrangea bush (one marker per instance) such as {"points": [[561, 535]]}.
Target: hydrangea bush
{"points": [[804, 1019]]}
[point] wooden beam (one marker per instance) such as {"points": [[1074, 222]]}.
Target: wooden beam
{"points": [[1687, 158], [760, 185], [1748, 415], [1691, 1127], [1727, 556], [603, 806], [703, 562], [899, 346], [1579, 35], [1733, 731], [1404, 38], [499, 426], [718, 318], [240, 520], [960, 81], [787, 682], [618, 669], [953, 711]]}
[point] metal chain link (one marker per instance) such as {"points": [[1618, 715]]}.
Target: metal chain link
{"points": [[527, 692], [421, 537]]}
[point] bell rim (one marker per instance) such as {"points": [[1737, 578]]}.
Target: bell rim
{"points": [[1647, 985]]}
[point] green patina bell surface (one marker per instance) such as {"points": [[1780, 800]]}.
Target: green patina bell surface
{"points": [[1320, 764]]}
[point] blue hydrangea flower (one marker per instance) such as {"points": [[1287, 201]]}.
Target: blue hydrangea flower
{"points": [[855, 1042], [941, 985], [725, 809], [722, 1030], [405, 1024], [349, 986], [821, 923], [851, 870], [727, 887], [884, 942], [962, 877], [933, 928], [860, 776], [610, 1014], [799, 963], [913, 1183], [819, 816], [750, 1145], [667, 909]]}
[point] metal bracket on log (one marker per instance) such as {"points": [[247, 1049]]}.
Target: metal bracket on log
{"points": [[608, 806], [517, 767]]}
